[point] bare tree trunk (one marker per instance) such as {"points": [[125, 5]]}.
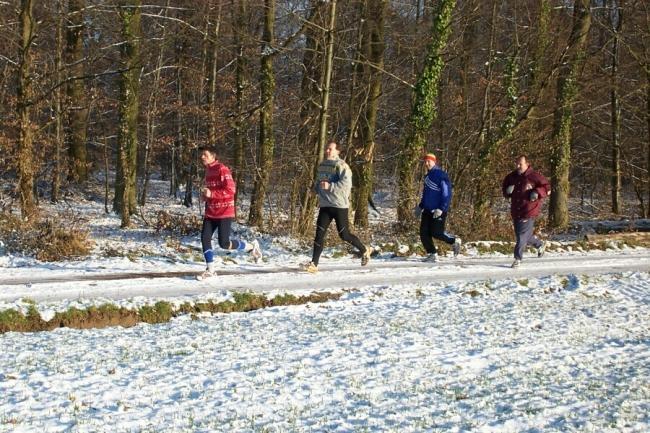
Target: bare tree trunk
{"points": [[469, 39], [312, 65], [567, 87], [309, 199], [76, 101], [647, 112], [423, 111], [267, 140], [543, 42], [212, 77], [58, 117], [325, 86], [373, 53], [127, 137], [208, 56], [177, 144], [616, 17], [26, 163], [151, 113], [240, 124]]}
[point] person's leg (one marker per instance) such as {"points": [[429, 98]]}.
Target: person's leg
{"points": [[223, 232], [533, 240], [438, 228], [322, 223], [224, 229], [343, 228], [207, 231], [426, 232], [523, 232]]}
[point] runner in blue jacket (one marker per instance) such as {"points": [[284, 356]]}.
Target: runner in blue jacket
{"points": [[433, 208]]}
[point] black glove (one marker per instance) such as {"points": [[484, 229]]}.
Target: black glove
{"points": [[534, 195]]}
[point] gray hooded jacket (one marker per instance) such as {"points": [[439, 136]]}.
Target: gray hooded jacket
{"points": [[338, 173]]}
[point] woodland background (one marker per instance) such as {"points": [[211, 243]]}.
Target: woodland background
{"points": [[126, 91]]}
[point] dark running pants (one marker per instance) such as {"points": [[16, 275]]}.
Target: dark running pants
{"points": [[524, 234], [433, 228], [325, 217], [222, 226]]}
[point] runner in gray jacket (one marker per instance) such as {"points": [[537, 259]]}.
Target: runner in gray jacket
{"points": [[333, 186]]}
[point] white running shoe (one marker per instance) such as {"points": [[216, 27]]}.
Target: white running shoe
{"points": [[456, 247], [208, 273], [365, 257], [256, 252], [516, 263], [309, 267], [542, 249]]}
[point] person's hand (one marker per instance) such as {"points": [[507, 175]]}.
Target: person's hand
{"points": [[417, 212], [510, 189], [534, 195], [206, 193], [437, 213], [325, 185]]}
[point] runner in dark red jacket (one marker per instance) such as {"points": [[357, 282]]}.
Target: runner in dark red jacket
{"points": [[526, 189]]}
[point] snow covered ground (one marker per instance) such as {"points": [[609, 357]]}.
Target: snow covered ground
{"points": [[512, 355], [468, 344]]}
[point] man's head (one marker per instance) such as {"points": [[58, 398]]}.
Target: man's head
{"points": [[331, 150], [522, 164], [208, 155], [429, 160]]}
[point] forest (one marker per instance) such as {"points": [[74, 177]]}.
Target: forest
{"points": [[121, 92]]}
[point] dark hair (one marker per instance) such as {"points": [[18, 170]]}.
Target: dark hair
{"points": [[521, 156], [210, 149], [339, 147]]}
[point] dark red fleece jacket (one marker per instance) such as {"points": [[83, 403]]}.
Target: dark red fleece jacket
{"points": [[521, 206]]}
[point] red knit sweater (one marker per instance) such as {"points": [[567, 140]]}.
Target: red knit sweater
{"points": [[221, 203]]}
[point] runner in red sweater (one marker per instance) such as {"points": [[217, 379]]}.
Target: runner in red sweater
{"points": [[219, 195]]}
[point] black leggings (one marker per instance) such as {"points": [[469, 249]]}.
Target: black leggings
{"points": [[325, 217], [223, 231]]}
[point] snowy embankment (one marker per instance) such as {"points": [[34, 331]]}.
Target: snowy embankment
{"points": [[529, 354]]}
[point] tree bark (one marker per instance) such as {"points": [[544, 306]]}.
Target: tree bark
{"points": [[616, 17], [240, 123], [325, 86], [312, 66], [560, 158], [76, 100], [423, 111], [372, 49], [26, 163], [151, 113], [127, 137], [58, 105], [647, 113], [267, 140], [213, 59]]}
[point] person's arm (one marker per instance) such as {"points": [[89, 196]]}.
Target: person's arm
{"points": [[227, 187], [445, 187], [507, 187], [541, 187], [343, 180]]}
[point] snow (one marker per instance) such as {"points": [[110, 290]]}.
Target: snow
{"points": [[468, 344], [522, 355]]}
